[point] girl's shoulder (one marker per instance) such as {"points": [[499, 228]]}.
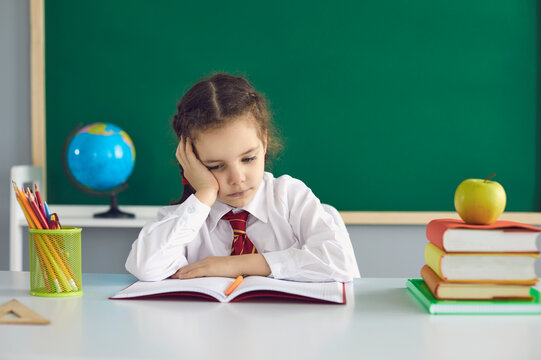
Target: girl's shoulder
{"points": [[168, 209], [289, 194], [190, 206], [285, 184]]}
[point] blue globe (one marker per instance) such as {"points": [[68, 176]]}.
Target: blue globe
{"points": [[100, 156]]}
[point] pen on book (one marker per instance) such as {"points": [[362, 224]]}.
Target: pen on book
{"points": [[233, 286]]}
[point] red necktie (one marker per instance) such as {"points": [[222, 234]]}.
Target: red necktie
{"points": [[241, 243]]}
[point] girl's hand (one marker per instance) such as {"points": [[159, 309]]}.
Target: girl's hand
{"points": [[228, 266], [201, 179]]}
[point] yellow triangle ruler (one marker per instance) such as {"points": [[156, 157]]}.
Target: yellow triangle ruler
{"points": [[23, 315]]}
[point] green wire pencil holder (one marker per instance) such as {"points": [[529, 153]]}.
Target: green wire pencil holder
{"points": [[55, 262]]}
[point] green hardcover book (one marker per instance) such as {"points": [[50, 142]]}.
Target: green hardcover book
{"points": [[421, 292]]}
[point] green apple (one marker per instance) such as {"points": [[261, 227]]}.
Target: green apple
{"points": [[479, 201]]}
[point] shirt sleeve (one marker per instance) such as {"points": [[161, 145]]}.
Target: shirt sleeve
{"points": [[324, 252], [160, 248]]}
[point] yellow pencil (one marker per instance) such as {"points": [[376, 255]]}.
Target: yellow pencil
{"points": [[64, 271], [48, 266], [61, 278]]}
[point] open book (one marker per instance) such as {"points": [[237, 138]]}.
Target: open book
{"points": [[252, 287]]}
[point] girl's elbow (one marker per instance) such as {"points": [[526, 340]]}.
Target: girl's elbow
{"points": [[146, 275], [145, 272]]}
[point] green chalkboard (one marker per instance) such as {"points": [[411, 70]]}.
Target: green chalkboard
{"points": [[382, 105]]}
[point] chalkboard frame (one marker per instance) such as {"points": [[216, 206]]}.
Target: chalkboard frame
{"points": [[38, 125]]}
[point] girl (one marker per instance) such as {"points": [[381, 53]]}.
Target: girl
{"points": [[230, 206]]}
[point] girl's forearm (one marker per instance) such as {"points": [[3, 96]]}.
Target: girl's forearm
{"points": [[253, 264]]}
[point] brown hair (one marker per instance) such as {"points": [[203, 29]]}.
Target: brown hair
{"points": [[214, 101]]}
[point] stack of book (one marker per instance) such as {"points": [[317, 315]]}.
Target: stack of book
{"points": [[480, 262]]}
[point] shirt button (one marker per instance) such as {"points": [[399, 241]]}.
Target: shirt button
{"points": [[191, 210]]}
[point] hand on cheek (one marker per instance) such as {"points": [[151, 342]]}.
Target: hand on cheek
{"points": [[201, 179]]}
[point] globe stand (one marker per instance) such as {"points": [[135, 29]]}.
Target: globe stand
{"points": [[114, 211]]}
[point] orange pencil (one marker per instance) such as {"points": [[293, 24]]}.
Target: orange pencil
{"points": [[36, 224], [233, 286], [18, 196]]}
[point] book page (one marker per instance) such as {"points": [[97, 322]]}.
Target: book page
{"points": [[212, 286], [490, 240], [328, 291]]}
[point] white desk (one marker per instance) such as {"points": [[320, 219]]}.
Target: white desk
{"points": [[380, 321], [76, 215]]}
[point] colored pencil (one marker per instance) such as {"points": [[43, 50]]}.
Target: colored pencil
{"points": [[44, 265], [53, 258], [37, 211], [40, 201]]}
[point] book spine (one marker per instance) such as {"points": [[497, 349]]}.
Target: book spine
{"points": [[434, 233], [431, 279], [419, 296], [433, 257]]}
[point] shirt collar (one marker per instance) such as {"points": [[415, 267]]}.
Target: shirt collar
{"points": [[257, 207]]}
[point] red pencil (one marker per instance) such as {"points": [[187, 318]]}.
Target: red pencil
{"points": [[40, 201], [37, 211]]}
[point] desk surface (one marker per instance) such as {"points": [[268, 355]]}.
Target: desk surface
{"points": [[380, 321]]}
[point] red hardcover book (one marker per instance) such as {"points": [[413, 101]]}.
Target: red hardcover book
{"points": [[452, 235]]}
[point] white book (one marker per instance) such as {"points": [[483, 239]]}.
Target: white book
{"points": [[487, 267], [456, 240], [252, 287], [452, 235]]}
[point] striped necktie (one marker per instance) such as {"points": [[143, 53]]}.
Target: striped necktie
{"points": [[241, 243]]}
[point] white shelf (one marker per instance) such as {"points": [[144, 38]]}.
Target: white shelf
{"points": [[82, 215], [78, 216]]}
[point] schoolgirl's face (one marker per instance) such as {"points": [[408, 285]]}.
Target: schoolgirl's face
{"points": [[235, 155]]}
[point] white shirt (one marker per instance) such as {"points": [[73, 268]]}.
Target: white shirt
{"points": [[287, 224]]}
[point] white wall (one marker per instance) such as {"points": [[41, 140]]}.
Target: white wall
{"points": [[14, 105]]}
